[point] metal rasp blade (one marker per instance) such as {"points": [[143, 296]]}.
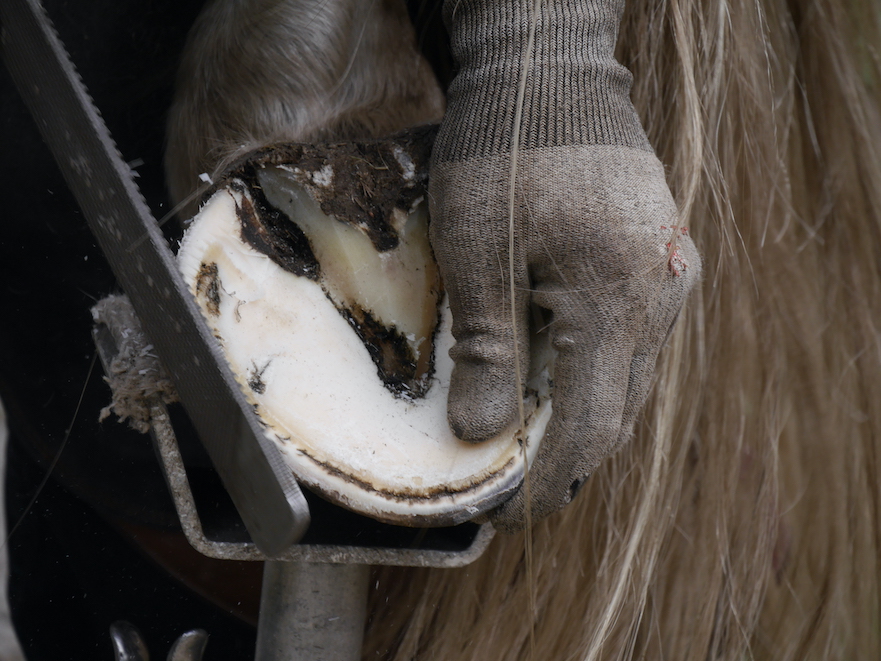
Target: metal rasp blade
{"points": [[262, 487]]}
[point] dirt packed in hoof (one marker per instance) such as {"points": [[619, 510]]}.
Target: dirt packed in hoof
{"points": [[360, 183], [372, 186], [271, 232]]}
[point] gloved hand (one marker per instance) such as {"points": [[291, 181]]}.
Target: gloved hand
{"points": [[593, 226]]}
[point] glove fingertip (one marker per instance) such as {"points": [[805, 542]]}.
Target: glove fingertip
{"points": [[477, 419], [481, 404], [509, 518]]}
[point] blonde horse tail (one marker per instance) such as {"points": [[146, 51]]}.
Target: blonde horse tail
{"points": [[744, 520]]}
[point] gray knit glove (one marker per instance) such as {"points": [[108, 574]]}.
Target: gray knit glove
{"points": [[593, 224]]}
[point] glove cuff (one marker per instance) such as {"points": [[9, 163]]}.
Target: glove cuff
{"points": [[576, 92]]}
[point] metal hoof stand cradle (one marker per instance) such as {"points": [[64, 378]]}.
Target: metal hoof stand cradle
{"points": [[314, 595]]}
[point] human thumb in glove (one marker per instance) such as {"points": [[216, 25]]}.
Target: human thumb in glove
{"points": [[596, 238]]}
